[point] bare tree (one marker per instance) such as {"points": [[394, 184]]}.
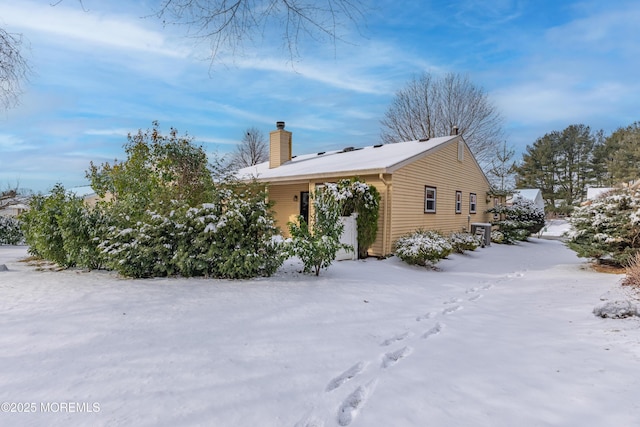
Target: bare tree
{"points": [[252, 150], [429, 107], [13, 69], [228, 24], [502, 169]]}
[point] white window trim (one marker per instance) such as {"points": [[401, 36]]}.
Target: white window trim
{"points": [[458, 205], [473, 203], [435, 198]]}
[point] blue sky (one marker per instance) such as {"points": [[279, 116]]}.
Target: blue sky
{"points": [[103, 71]]}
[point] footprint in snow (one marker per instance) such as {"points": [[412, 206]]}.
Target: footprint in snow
{"points": [[425, 316], [345, 376], [472, 290], [353, 403], [452, 301], [475, 297], [437, 328], [451, 309], [487, 287], [393, 357], [395, 338], [309, 422]]}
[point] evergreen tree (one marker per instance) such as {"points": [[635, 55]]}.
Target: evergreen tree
{"points": [[617, 160], [561, 164]]}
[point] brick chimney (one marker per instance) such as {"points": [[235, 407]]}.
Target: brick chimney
{"points": [[279, 146]]}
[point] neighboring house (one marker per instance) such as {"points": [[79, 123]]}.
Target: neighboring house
{"points": [[88, 194], [433, 184], [533, 194], [597, 192], [13, 209]]}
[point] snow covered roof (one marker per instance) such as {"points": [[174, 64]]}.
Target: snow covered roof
{"points": [[82, 191], [382, 158], [594, 193], [528, 193]]}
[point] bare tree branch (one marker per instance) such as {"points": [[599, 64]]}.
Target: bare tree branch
{"points": [[429, 107], [251, 151], [229, 24], [13, 69]]}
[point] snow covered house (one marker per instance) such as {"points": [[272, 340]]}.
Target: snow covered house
{"points": [[533, 194], [433, 184]]}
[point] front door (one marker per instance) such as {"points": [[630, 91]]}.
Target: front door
{"points": [[304, 205]]}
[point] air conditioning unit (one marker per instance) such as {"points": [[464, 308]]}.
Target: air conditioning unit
{"points": [[483, 230]]}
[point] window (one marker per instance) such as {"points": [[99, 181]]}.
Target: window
{"points": [[429, 199], [458, 202], [472, 203]]}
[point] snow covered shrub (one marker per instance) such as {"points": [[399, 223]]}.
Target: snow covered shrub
{"points": [[423, 247], [497, 236], [82, 228], [318, 243], [60, 228], [10, 232], [615, 310], [357, 196], [144, 249], [518, 221], [229, 238], [42, 226], [608, 229], [461, 242]]}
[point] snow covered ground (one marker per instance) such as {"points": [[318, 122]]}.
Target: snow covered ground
{"points": [[503, 336]]}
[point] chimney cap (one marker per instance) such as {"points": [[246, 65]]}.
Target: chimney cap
{"points": [[280, 125], [454, 130]]}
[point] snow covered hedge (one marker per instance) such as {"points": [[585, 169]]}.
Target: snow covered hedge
{"points": [[423, 247], [464, 242], [167, 216], [518, 221], [607, 229], [10, 232]]}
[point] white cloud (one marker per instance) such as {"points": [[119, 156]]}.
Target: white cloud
{"points": [[12, 143], [86, 28]]}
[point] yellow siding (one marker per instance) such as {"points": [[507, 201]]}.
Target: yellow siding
{"points": [[402, 204], [442, 170], [286, 208]]}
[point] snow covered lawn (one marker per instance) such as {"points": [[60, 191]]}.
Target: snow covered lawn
{"points": [[503, 336]]}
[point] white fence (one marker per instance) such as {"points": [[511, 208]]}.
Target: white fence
{"points": [[349, 237]]}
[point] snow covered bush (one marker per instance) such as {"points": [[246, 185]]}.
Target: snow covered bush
{"points": [[318, 243], [608, 229], [232, 238], [461, 242], [518, 221], [423, 247], [616, 310], [10, 231], [59, 227], [497, 236]]}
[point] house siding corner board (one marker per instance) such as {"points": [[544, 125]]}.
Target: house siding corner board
{"points": [[443, 171]]}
